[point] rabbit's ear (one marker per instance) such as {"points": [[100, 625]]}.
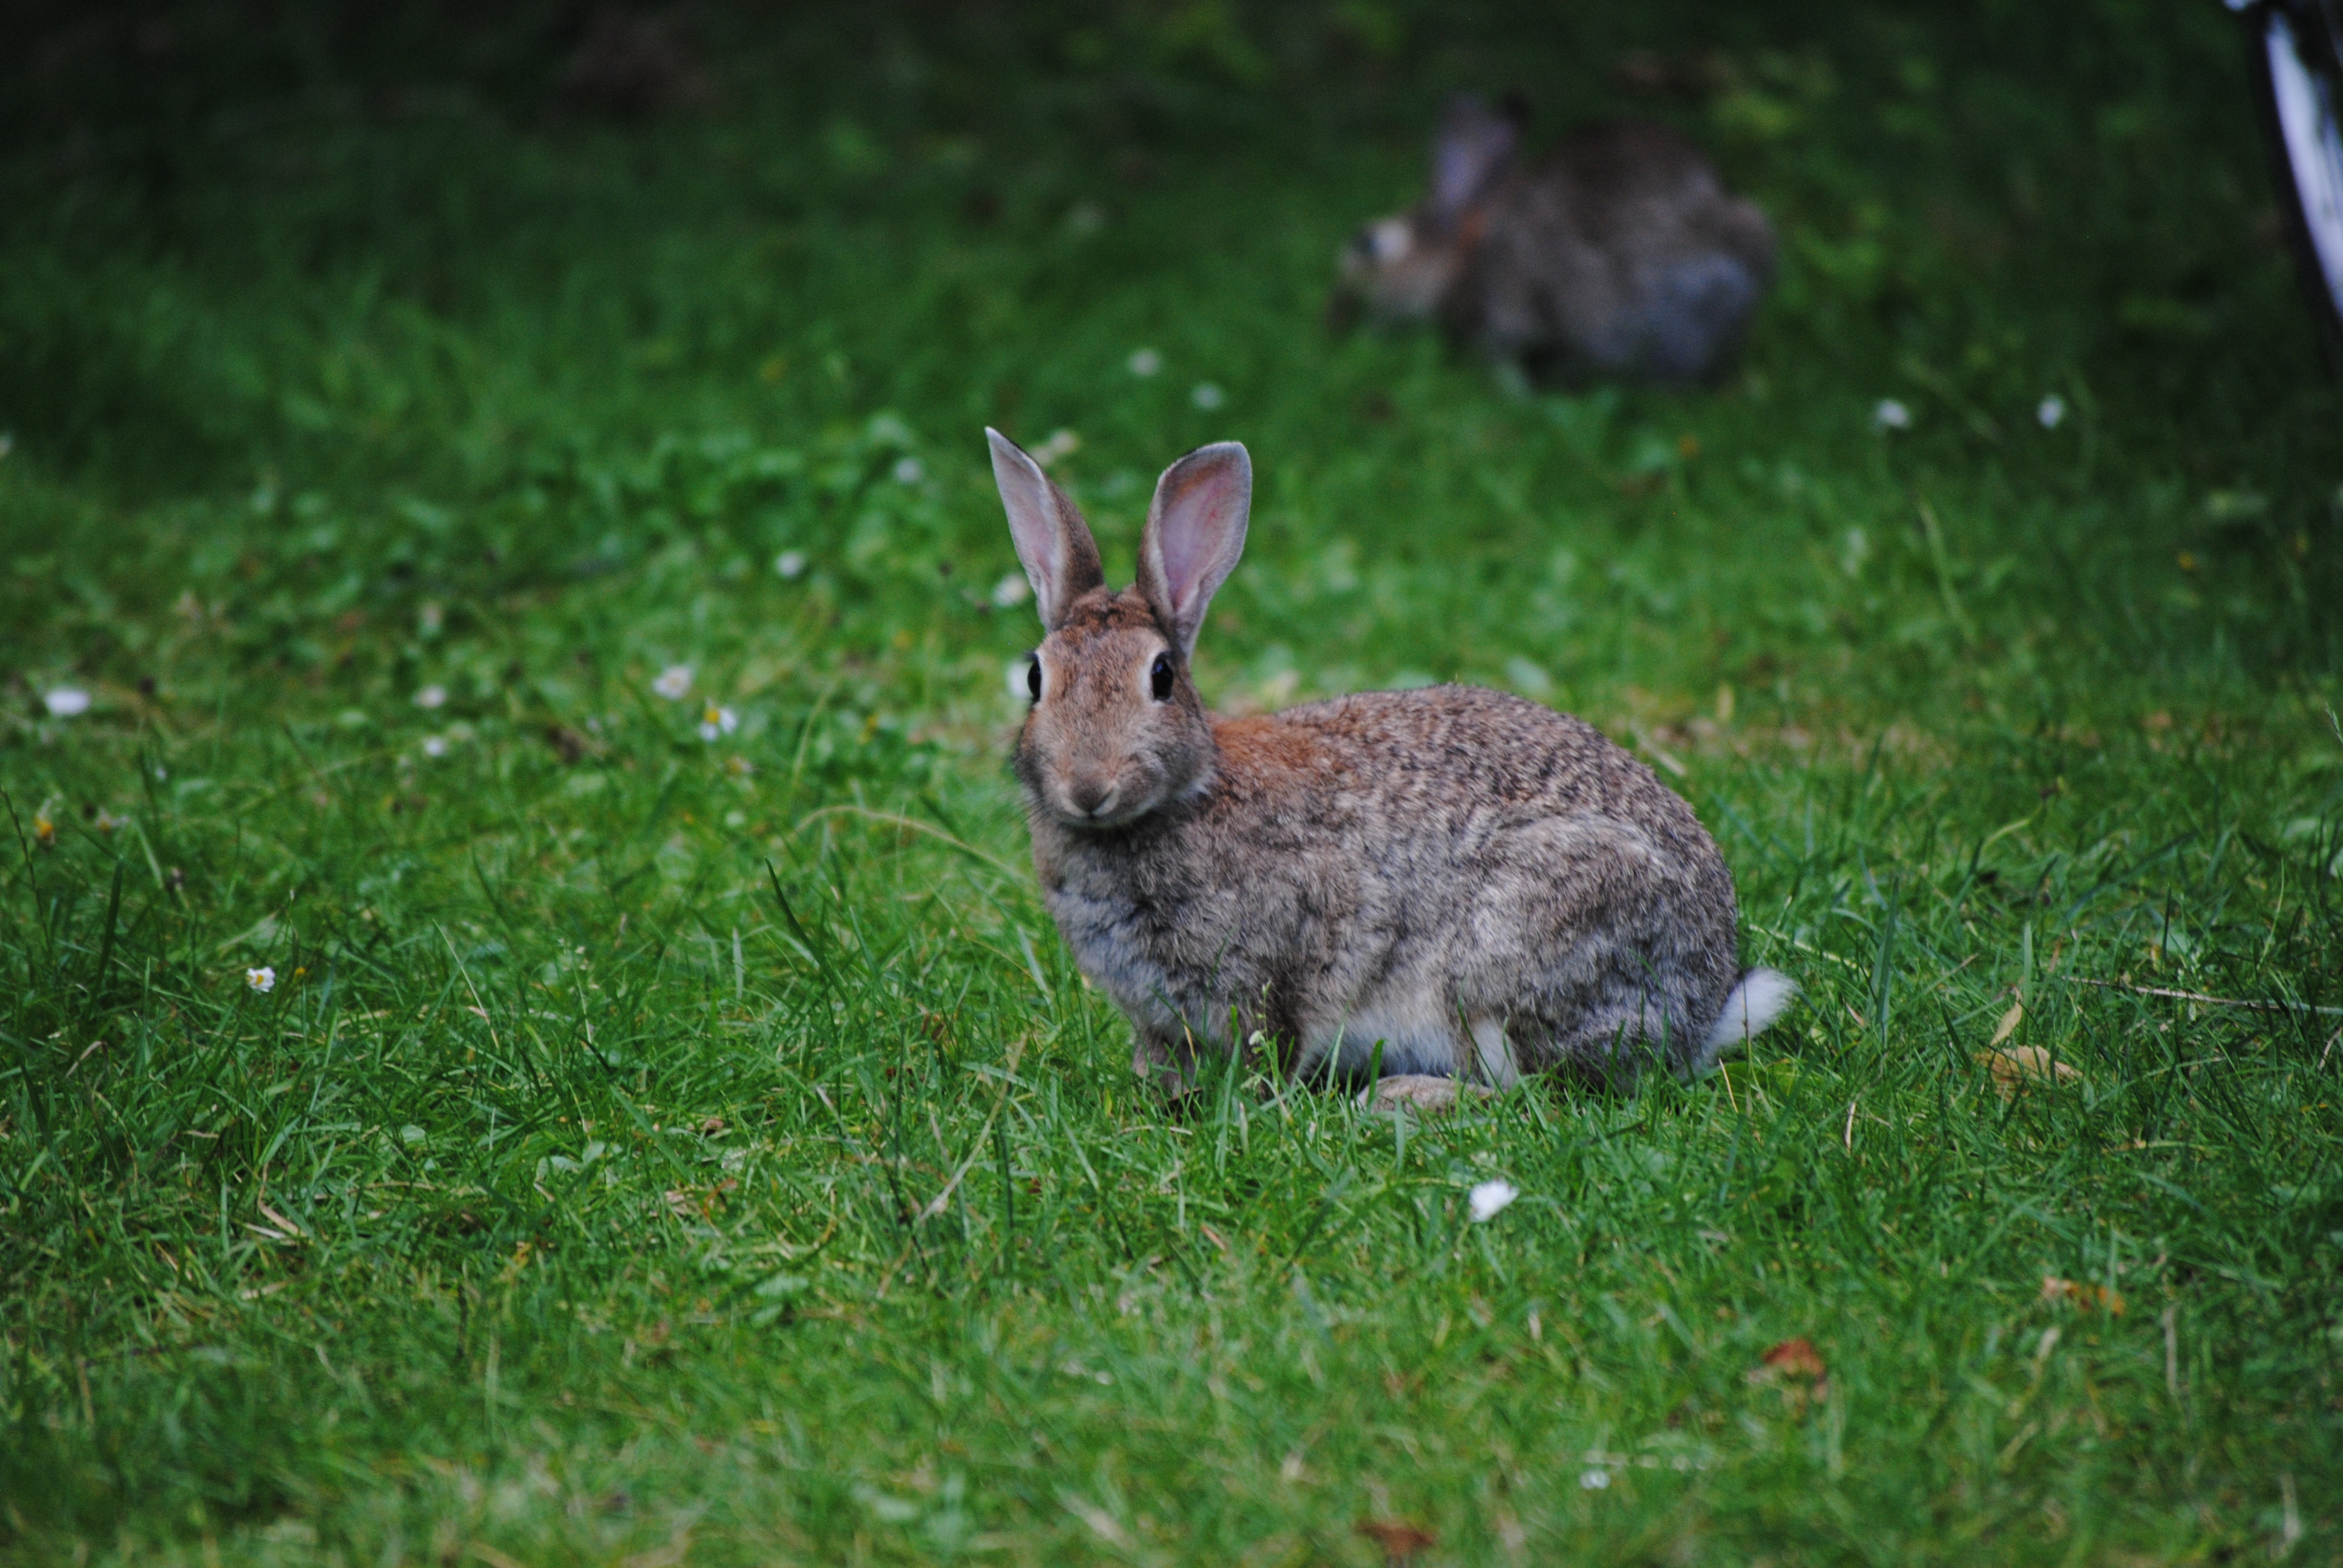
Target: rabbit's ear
{"points": [[1060, 558], [1195, 531], [1472, 145]]}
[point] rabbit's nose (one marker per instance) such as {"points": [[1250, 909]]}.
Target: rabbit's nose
{"points": [[1090, 795]]}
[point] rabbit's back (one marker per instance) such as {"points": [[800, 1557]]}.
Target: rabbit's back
{"points": [[1460, 754], [1622, 252]]}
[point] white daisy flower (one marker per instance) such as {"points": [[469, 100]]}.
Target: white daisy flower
{"points": [[717, 722], [263, 980], [674, 682], [1489, 1199], [910, 470], [431, 697], [791, 564], [1890, 415], [67, 702], [1208, 395], [2050, 411], [1011, 591], [1594, 1479], [435, 746], [1143, 363]]}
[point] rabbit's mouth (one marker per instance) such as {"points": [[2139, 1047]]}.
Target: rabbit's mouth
{"points": [[1097, 805]]}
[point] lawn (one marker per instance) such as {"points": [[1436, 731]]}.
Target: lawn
{"points": [[544, 608]]}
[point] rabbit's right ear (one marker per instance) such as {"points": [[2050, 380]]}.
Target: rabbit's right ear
{"points": [[1195, 532], [1060, 558], [1472, 147]]}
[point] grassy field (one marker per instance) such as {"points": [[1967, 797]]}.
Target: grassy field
{"points": [[675, 1133]]}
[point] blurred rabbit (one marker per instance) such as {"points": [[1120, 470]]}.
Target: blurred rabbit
{"points": [[1621, 254], [1435, 887]]}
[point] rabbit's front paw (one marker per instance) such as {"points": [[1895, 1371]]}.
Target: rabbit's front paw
{"points": [[1422, 1092]]}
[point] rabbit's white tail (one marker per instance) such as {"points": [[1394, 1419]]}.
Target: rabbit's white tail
{"points": [[1752, 1007]]}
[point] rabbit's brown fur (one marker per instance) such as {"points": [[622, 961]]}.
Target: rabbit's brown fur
{"points": [[1450, 881]]}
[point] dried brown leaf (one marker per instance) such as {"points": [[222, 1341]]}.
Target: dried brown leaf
{"points": [[1401, 1539], [1794, 1358], [2082, 1293], [2019, 1065]]}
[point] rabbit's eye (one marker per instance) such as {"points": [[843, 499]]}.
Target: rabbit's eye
{"points": [[1158, 678], [1033, 678]]}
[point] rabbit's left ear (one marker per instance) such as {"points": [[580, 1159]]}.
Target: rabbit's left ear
{"points": [[1472, 145], [1053, 543], [1195, 532]]}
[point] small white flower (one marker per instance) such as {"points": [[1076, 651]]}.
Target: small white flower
{"points": [[435, 746], [1011, 591], [67, 702], [2050, 411], [1143, 363], [1891, 415], [1489, 1199], [674, 682], [1060, 444], [263, 980], [431, 697], [716, 722], [1206, 395], [791, 564], [1594, 1479], [910, 470]]}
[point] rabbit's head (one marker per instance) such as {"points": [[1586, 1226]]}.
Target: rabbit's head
{"points": [[1117, 729], [1400, 268]]}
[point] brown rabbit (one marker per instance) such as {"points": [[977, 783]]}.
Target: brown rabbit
{"points": [[1621, 254], [1451, 884]]}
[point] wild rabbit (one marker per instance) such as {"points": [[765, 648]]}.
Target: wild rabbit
{"points": [[1621, 254], [1445, 885]]}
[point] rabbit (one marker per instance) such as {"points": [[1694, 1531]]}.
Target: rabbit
{"points": [[1621, 254], [1446, 886]]}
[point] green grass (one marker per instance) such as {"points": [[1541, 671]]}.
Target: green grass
{"points": [[706, 1150]]}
